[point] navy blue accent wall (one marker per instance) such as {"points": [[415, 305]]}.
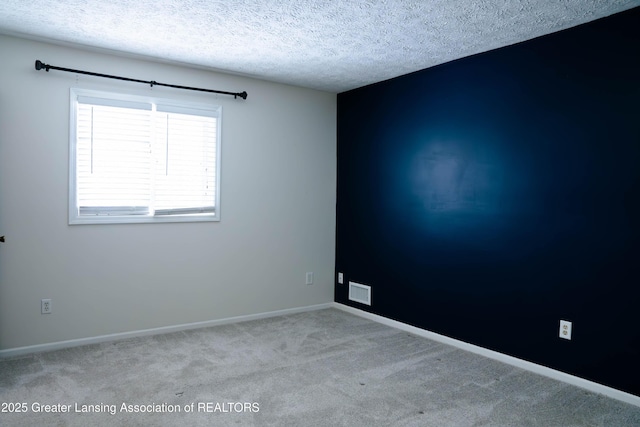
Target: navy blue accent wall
{"points": [[487, 198]]}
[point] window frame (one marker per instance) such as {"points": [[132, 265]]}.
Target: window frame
{"points": [[76, 218]]}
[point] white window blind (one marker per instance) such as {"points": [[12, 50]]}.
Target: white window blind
{"points": [[184, 179], [137, 160]]}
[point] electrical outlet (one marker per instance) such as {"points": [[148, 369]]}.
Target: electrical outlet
{"points": [[340, 278], [309, 279], [565, 329], [45, 306]]}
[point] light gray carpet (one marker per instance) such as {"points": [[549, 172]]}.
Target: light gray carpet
{"points": [[321, 368]]}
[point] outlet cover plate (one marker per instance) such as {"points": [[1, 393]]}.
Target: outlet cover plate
{"points": [[45, 306], [565, 329]]}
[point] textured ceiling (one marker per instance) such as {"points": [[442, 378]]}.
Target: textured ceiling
{"points": [[321, 44]]}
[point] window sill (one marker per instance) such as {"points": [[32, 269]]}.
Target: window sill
{"points": [[142, 219]]}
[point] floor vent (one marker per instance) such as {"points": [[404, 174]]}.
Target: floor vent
{"points": [[360, 293]]}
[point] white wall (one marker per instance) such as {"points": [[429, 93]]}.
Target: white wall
{"points": [[277, 207]]}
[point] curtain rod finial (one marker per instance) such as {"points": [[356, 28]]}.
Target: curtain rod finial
{"points": [[40, 65]]}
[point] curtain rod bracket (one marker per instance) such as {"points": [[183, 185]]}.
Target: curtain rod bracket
{"points": [[40, 65]]}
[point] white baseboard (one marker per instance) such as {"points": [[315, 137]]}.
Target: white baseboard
{"points": [[523, 364], [20, 351]]}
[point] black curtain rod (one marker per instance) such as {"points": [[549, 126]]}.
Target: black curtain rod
{"points": [[40, 65]]}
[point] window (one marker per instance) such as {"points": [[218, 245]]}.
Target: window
{"points": [[141, 159]]}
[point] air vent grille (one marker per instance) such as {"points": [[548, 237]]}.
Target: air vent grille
{"points": [[360, 293]]}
